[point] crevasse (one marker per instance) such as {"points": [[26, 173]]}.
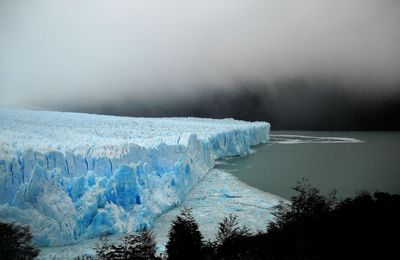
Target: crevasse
{"points": [[72, 176]]}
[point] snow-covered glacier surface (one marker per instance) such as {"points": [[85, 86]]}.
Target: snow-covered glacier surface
{"points": [[74, 176]]}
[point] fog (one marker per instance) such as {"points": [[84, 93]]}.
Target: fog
{"points": [[91, 52]]}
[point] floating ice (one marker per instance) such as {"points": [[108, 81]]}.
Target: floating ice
{"points": [[302, 139], [74, 176]]}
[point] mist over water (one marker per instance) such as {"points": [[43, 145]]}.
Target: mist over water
{"points": [[105, 53], [291, 104]]}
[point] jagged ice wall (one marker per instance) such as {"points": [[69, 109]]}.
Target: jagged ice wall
{"points": [[73, 176]]}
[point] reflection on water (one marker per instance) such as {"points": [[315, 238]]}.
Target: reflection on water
{"points": [[347, 161]]}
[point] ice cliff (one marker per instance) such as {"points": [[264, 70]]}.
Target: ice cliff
{"points": [[73, 176]]}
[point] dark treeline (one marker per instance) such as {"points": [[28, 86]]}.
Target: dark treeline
{"points": [[312, 226], [16, 242], [296, 104]]}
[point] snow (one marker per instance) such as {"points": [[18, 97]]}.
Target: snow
{"points": [[215, 197], [74, 176]]}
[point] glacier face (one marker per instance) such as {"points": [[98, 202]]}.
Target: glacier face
{"points": [[74, 176], [215, 197]]}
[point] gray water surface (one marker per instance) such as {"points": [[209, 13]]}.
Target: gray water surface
{"points": [[340, 163]]}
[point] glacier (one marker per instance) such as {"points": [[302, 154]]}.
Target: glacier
{"points": [[74, 176], [215, 197]]}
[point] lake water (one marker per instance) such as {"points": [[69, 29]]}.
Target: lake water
{"points": [[349, 162]]}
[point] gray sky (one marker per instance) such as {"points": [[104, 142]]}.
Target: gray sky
{"points": [[92, 51]]}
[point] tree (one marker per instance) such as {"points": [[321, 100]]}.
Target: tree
{"points": [[209, 249], [308, 204], [184, 238], [314, 226], [85, 257], [231, 239], [229, 229], [142, 246], [133, 246], [103, 249], [16, 242], [300, 225]]}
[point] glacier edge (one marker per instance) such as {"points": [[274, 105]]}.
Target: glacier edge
{"points": [[74, 176]]}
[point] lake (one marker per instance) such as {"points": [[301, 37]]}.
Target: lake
{"points": [[346, 161]]}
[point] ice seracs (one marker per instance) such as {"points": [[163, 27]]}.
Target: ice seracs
{"points": [[72, 176], [215, 197]]}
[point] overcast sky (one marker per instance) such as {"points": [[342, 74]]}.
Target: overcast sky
{"points": [[92, 51]]}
